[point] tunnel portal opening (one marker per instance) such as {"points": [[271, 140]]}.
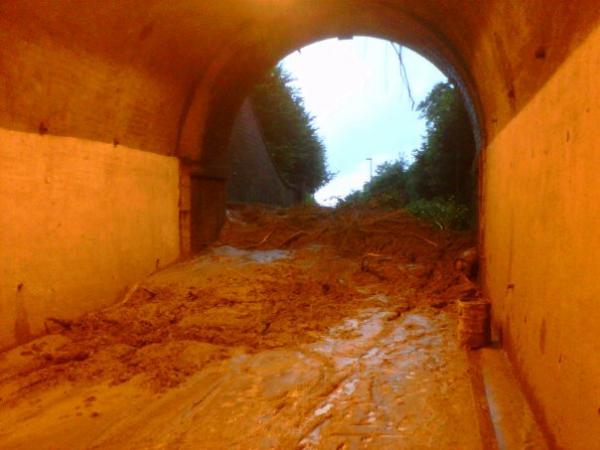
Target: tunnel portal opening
{"points": [[294, 139], [216, 156]]}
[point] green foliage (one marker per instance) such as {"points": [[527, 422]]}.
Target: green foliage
{"points": [[440, 185], [387, 189], [290, 135], [309, 200], [352, 199], [444, 213], [445, 166]]}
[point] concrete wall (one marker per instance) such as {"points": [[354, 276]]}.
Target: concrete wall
{"points": [[80, 221], [542, 241], [253, 177]]}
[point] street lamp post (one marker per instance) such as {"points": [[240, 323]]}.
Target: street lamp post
{"points": [[370, 168]]}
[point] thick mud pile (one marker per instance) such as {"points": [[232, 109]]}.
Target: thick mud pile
{"points": [[167, 329], [393, 248], [277, 279]]}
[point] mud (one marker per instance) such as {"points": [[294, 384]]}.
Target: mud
{"points": [[301, 328]]}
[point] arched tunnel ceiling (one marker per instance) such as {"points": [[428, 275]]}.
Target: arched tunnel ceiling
{"points": [[149, 73]]}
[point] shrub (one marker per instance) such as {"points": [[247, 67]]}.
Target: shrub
{"points": [[444, 213]]}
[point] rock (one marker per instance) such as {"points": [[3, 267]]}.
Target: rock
{"points": [[467, 263]]}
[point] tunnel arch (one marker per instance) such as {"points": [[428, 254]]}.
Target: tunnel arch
{"points": [[204, 139], [207, 126]]}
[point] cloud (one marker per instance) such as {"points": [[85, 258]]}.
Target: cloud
{"points": [[342, 185], [354, 180]]}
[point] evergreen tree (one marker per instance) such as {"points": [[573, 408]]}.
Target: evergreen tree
{"points": [[441, 183], [290, 134], [444, 165]]}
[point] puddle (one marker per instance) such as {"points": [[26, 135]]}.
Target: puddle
{"points": [[323, 409], [257, 256]]}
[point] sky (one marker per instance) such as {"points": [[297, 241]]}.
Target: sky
{"points": [[361, 107]]}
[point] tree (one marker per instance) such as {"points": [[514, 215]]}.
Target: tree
{"points": [[289, 132], [444, 165], [441, 182]]}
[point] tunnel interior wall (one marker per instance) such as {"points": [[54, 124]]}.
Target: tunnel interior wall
{"points": [[542, 244], [80, 222]]}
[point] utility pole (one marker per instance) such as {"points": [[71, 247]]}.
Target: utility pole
{"points": [[370, 168]]}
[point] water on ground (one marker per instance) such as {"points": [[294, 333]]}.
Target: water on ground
{"points": [[299, 330]]}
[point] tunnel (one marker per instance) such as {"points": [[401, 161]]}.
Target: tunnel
{"points": [[107, 98]]}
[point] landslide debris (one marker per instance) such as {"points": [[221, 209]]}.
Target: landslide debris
{"points": [[224, 302]]}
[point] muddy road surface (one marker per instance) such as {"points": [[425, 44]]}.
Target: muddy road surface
{"points": [[300, 329]]}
